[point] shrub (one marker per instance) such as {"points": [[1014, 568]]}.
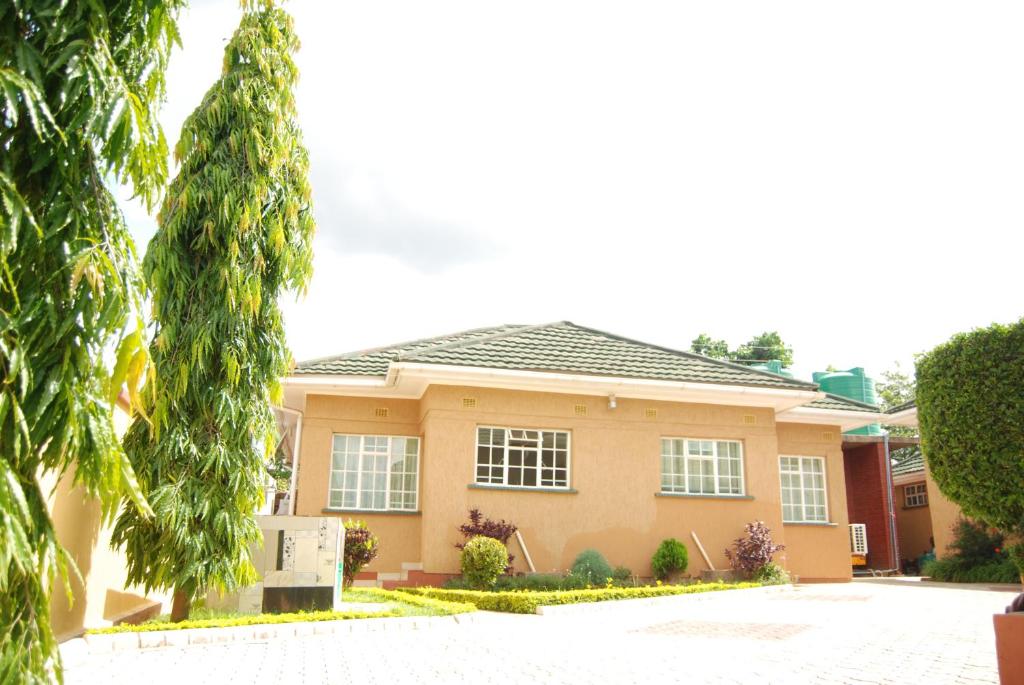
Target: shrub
{"points": [[591, 567], [772, 574], [670, 557], [622, 575], [971, 410], [1017, 557], [978, 556], [489, 528], [751, 553], [527, 602], [483, 560], [361, 548], [954, 570], [974, 543]]}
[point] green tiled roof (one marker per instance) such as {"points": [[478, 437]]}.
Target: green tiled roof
{"points": [[561, 347], [911, 463], [831, 401], [902, 407]]}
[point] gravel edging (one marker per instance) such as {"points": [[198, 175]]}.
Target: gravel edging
{"points": [[77, 649], [642, 602]]}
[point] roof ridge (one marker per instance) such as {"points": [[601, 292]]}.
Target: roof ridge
{"points": [[692, 355], [385, 348], [487, 338]]}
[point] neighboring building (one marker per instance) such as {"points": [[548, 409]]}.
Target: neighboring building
{"points": [[102, 599], [583, 439]]}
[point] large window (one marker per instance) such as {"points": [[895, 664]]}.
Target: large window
{"points": [[915, 495], [374, 472], [701, 467], [522, 458], [803, 489]]}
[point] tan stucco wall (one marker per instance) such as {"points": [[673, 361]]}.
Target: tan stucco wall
{"points": [[615, 472], [944, 515], [914, 525], [816, 552], [102, 598]]}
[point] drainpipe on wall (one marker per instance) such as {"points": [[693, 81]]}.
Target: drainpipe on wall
{"points": [[893, 537]]}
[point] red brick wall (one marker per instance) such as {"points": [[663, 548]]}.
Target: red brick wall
{"points": [[866, 500]]}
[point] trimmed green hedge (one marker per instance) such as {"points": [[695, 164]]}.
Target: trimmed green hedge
{"points": [[970, 403], [439, 606], [525, 602]]}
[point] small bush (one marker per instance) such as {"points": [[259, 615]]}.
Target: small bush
{"points": [[974, 543], [1017, 557], [622, 575], [953, 570], [751, 553], [772, 574], [361, 548], [479, 524], [591, 567], [670, 557], [483, 560]]}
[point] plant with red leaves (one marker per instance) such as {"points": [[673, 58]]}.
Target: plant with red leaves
{"points": [[481, 525]]}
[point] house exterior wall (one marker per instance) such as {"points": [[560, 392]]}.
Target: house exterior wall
{"points": [[944, 514], [615, 468], [868, 504], [914, 524]]}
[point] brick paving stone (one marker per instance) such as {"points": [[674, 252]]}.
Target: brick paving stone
{"points": [[861, 632]]}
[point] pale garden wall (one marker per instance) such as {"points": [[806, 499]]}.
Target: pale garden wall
{"points": [[944, 514], [914, 525], [615, 475]]}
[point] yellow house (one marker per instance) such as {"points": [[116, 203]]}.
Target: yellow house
{"points": [[581, 438]]}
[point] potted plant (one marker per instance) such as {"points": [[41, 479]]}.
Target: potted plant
{"points": [[970, 405]]}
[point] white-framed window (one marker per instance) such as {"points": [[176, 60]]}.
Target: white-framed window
{"points": [[374, 472], [522, 457], [915, 495], [803, 489], [701, 467]]}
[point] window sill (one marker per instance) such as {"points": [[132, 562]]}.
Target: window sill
{"points": [[685, 495], [522, 488], [816, 524], [366, 512]]}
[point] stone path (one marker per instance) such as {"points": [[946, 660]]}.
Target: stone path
{"points": [[861, 632]]}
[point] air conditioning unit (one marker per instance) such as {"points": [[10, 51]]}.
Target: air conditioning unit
{"points": [[858, 539]]}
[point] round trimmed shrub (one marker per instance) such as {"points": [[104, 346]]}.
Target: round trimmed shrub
{"points": [[970, 404], [361, 547], [483, 560], [670, 557], [592, 567]]}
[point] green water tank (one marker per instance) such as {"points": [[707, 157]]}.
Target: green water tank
{"points": [[856, 385], [773, 366]]}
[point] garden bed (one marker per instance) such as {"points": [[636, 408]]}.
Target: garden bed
{"points": [[527, 602]]}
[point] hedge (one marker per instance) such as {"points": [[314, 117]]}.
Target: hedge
{"points": [[440, 605], [970, 403], [526, 602]]}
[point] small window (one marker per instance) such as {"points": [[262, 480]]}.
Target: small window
{"points": [[374, 473], [521, 457], [803, 489], [915, 495], [701, 467]]}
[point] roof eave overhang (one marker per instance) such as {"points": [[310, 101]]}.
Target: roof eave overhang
{"points": [[909, 477], [846, 420], [907, 417], [410, 380]]}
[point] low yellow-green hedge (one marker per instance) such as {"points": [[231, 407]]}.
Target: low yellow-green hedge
{"points": [[526, 601], [441, 606]]}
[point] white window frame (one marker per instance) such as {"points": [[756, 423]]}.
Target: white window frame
{"points": [[803, 488], [714, 461], [504, 477], [915, 495], [359, 478]]}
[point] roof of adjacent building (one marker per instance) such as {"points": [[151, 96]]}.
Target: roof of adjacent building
{"points": [[902, 407], [911, 463], [839, 402], [562, 347]]}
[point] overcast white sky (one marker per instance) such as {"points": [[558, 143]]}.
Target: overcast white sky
{"points": [[850, 174]]}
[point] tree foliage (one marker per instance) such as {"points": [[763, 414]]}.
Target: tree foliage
{"points": [[970, 405], [761, 348], [361, 547], [896, 388], [80, 86], [234, 234]]}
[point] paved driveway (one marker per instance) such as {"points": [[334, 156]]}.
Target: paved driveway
{"points": [[852, 633]]}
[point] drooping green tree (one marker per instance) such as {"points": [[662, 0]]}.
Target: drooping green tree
{"points": [[80, 87], [234, 234]]}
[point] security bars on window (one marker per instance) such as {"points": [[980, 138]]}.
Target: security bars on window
{"points": [[803, 489], [915, 495], [374, 472], [520, 457], [701, 467]]}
